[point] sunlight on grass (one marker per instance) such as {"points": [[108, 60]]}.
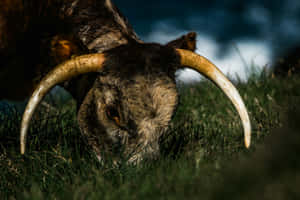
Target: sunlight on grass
{"points": [[203, 155]]}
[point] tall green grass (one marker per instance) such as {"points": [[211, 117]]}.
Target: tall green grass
{"points": [[203, 155]]}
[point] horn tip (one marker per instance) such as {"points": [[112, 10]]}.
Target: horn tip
{"points": [[247, 142], [22, 146], [22, 151]]}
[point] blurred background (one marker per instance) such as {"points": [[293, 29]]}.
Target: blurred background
{"points": [[235, 34]]}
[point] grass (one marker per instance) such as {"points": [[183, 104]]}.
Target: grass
{"points": [[203, 156]]}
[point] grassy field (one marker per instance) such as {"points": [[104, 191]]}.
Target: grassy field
{"points": [[203, 156]]}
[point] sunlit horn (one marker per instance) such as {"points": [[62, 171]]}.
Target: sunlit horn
{"points": [[209, 70], [63, 72]]}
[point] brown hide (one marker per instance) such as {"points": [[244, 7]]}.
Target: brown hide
{"points": [[37, 35]]}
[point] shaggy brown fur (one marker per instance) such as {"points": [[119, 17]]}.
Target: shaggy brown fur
{"points": [[42, 34], [134, 101]]}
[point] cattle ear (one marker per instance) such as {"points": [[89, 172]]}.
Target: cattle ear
{"points": [[63, 47], [187, 42]]}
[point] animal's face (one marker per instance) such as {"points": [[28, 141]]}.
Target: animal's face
{"points": [[127, 116], [133, 97]]}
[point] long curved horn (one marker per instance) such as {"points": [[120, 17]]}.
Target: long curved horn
{"points": [[65, 71], [209, 70]]}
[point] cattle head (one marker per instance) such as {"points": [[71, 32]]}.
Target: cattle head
{"points": [[133, 97]]}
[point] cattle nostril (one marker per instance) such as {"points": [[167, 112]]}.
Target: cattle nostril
{"points": [[132, 135], [152, 114], [116, 148]]}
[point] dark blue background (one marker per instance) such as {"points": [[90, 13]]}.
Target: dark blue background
{"points": [[275, 21]]}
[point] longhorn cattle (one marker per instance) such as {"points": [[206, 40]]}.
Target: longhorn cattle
{"points": [[125, 88]]}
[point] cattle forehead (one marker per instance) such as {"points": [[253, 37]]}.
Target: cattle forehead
{"points": [[142, 96]]}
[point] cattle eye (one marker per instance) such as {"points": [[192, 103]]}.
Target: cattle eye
{"points": [[113, 114]]}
